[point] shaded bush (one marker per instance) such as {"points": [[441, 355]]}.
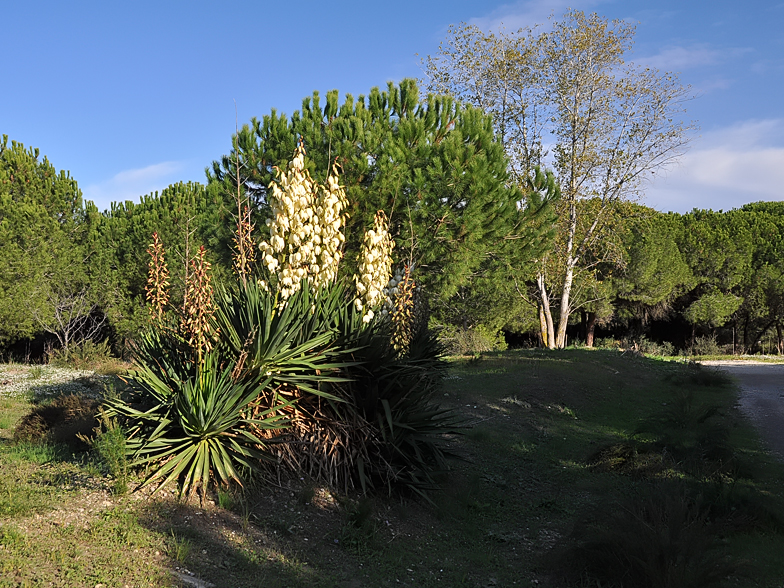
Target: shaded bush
{"points": [[635, 459], [739, 508], [360, 528], [662, 539], [607, 343], [699, 375], [645, 346], [694, 434], [64, 420]]}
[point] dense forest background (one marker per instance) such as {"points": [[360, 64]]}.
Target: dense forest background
{"points": [[484, 243]]}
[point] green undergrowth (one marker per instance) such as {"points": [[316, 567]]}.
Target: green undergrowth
{"points": [[581, 468]]}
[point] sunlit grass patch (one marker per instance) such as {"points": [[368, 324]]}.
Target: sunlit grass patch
{"points": [[111, 550]]}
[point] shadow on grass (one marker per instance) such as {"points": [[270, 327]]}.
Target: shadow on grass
{"points": [[663, 537], [217, 547]]}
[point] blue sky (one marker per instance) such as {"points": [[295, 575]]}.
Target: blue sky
{"points": [[131, 97]]}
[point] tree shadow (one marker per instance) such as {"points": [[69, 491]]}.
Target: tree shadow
{"points": [[269, 539]]}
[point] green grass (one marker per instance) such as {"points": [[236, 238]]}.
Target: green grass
{"points": [[569, 454], [761, 358]]}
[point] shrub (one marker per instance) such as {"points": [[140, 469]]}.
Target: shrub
{"points": [[648, 347], [700, 375], [607, 343], [660, 540], [471, 341], [706, 346], [360, 528], [67, 419], [109, 445], [87, 355]]}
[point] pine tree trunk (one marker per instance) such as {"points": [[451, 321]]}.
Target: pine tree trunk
{"points": [[589, 332], [757, 345], [780, 337], [746, 335]]}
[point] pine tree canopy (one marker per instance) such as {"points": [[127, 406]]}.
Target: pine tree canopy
{"points": [[432, 164]]}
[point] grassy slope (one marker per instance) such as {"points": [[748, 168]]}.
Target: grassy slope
{"points": [[551, 452]]}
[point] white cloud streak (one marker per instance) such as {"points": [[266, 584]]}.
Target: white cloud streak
{"points": [[678, 58], [133, 183], [527, 13], [726, 169]]}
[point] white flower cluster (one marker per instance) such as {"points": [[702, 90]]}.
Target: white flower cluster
{"points": [[375, 266], [306, 228]]}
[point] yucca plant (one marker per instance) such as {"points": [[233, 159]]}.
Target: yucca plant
{"points": [[294, 343], [295, 364], [192, 421], [298, 346], [394, 393], [362, 415]]}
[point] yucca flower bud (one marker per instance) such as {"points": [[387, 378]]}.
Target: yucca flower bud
{"points": [[375, 265]]}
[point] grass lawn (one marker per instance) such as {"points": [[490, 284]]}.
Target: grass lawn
{"points": [[579, 468]]}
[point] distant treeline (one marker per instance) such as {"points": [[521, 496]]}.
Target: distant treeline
{"points": [[483, 247], [706, 278]]}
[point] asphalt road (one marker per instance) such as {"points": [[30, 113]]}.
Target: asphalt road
{"points": [[761, 397]]}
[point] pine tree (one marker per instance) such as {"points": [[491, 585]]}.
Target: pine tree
{"points": [[432, 165], [41, 245]]}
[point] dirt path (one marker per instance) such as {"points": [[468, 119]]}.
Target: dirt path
{"points": [[761, 397]]}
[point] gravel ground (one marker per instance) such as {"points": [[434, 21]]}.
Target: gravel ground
{"points": [[761, 397], [40, 382]]}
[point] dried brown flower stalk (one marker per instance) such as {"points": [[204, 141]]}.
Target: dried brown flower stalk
{"points": [[156, 289], [198, 305], [244, 250], [403, 310]]}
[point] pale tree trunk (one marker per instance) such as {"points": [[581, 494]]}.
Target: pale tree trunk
{"points": [[571, 261], [563, 318], [545, 316], [542, 327]]}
